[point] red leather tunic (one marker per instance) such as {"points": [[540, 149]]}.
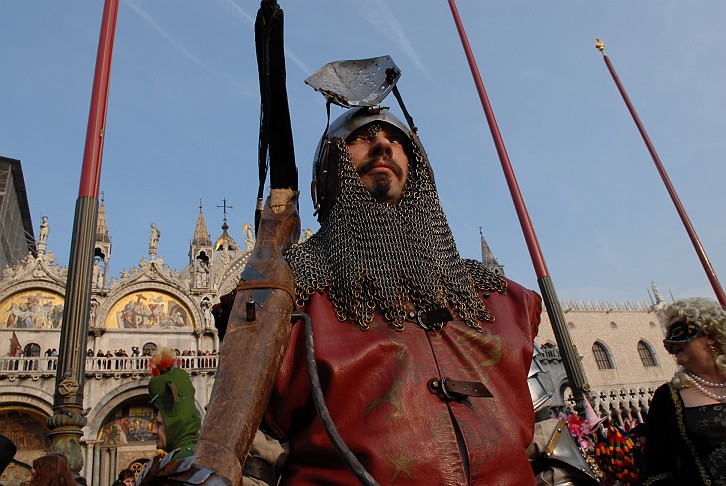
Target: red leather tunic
{"points": [[375, 386]]}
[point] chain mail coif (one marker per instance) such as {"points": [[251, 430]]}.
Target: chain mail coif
{"points": [[368, 255]]}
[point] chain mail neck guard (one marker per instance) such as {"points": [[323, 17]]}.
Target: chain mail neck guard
{"points": [[368, 255]]}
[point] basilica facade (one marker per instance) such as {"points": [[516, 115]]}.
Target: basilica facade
{"points": [[151, 305], [146, 307]]}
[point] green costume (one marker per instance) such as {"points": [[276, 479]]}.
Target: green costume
{"points": [[172, 393]]}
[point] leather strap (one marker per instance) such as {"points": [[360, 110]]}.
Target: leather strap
{"points": [[259, 469], [457, 389], [265, 284]]}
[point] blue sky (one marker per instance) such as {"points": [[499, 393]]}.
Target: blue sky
{"points": [[184, 109]]}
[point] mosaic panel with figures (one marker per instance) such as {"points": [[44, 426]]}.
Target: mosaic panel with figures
{"points": [[32, 309], [148, 310], [27, 431], [128, 424], [24, 429]]}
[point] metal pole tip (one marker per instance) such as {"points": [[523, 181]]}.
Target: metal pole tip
{"points": [[600, 46]]}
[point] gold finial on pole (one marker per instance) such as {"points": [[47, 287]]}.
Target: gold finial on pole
{"points": [[600, 46]]}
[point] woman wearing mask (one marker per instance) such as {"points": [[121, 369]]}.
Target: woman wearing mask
{"points": [[687, 417]]}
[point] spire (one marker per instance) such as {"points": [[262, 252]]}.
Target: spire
{"points": [[488, 258], [225, 242], [201, 236], [200, 256], [101, 225], [102, 251]]}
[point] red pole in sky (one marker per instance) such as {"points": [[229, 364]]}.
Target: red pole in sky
{"points": [[91, 173], [570, 356], [710, 273]]}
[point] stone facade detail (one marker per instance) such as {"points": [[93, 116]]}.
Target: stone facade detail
{"points": [[620, 345], [144, 307]]}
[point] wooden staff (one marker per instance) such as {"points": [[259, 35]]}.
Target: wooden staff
{"points": [[257, 330]]}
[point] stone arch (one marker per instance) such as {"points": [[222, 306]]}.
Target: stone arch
{"points": [[26, 396], [123, 394], [111, 401], [28, 282]]}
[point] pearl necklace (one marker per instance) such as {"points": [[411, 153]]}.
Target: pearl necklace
{"points": [[700, 380], [718, 398]]}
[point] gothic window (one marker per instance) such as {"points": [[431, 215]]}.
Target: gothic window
{"points": [[602, 357], [647, 356]]}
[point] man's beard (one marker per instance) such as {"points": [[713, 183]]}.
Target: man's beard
{"points": [[382, 182], [369, 255]]}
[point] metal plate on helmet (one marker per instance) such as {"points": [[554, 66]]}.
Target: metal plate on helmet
{"points": [[364, 82]]}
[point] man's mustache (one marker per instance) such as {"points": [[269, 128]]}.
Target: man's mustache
{"points": [[381, 161]]}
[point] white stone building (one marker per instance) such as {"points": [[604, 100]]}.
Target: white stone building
{"points": [[622, 353], [149, 306]]}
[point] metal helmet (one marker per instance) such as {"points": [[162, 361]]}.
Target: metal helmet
{"points": [[325, 185]]}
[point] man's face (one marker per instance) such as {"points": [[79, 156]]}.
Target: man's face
{"points": [[159, 431], [129, 482], [380, 159]]}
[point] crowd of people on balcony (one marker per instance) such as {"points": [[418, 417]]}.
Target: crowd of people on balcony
{"points": [[111, 360], [120, 359]]}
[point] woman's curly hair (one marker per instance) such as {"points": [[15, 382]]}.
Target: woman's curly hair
{"points": [[710, 318], [51, 470]]}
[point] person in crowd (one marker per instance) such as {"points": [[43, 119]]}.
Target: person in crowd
{"points": [[51, 470], [686, 441], [125, 478], [177, 421]]}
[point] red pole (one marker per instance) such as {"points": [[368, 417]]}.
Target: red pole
{"points": [[535, 253], [710, 273], [570, 358], [91, 172]]}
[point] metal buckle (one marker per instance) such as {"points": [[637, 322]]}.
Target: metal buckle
{"points": [[439, 387], [436, 326], [421, 323]]}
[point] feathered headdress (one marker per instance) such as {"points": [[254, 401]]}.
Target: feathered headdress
{"points": [[164, 359]]}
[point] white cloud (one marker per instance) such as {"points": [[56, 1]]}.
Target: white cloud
{"points": [[380, 16], [186, 52]]}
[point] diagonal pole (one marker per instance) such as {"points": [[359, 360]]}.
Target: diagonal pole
{"points": [[710, 272], [67, 420], [570, 359]]}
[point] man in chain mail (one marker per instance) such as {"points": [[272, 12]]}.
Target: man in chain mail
{"points": [[423, 356]]}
